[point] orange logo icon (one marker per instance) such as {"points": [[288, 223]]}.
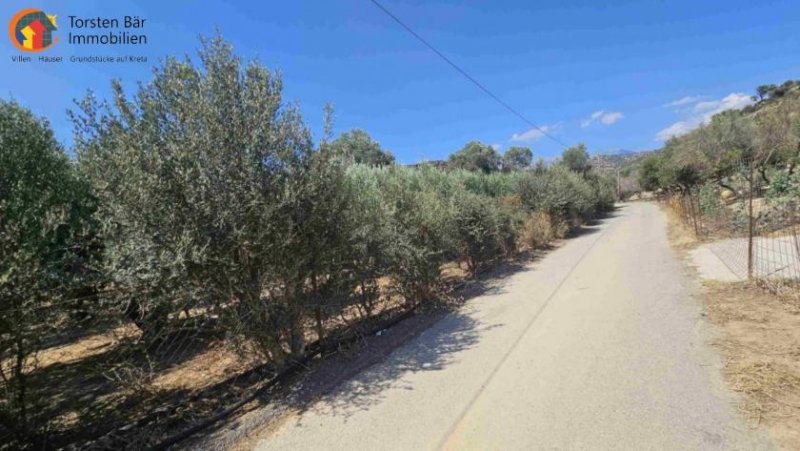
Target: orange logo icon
{"points": [[31, 30]]}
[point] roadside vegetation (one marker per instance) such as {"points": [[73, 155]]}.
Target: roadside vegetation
{"points": [[201, 230], [736, 177], [732, 180], [766, 134]]}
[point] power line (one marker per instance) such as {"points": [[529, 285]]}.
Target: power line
{"points": [[468, 76]]}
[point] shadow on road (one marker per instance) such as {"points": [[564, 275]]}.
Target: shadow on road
{"points": [[350, 383], [356, 379], [439, 348]]}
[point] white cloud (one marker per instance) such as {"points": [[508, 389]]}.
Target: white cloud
{"points": [[677, 129], [683, 101], [735, 100], [586, 122], [497, 146], [610, 118], [702, 112], [605, 118], [534, 133]]}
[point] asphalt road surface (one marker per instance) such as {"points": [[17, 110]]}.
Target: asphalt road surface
{"points": [[598, 345]]}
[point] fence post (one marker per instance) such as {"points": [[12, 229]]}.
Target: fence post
{"points": [[750, 227], [694, 212]]}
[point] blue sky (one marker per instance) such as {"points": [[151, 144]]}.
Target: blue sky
{"points": [[617, 76]]}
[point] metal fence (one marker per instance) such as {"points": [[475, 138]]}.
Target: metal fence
{"points": [[103, 386], [750, 221]]}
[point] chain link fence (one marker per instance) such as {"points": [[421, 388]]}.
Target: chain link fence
{"points": [[106, 385], [750, 221]]}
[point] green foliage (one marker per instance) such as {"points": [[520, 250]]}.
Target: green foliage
{"points": [[576, 159], [765, 135], [200, 203], [419, 202], [358, 146], [649, 173], [565, 194], [377, 245], [493, 185], [483, 229], [517, 158], [211, 192], [475, 156], [421, 218], [784, 185], [45, 252]]}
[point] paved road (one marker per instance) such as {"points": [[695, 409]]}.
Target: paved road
{"points": [[599, 345]]}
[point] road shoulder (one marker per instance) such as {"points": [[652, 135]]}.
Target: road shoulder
{"points": [[757, 333]]}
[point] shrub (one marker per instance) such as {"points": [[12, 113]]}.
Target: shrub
{"points": [[357, 146], [212, 195], [475, 156], [45, 252], [419, 202], [784, 184], [561, 193], [538, 230], [509, 223], [477, 227], [376, 242]]}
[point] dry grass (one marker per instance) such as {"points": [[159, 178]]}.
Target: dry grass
{"points": [[82, 348], [215, 364], [540, 230], [759, 338], [760, 341], [537, 230], [680, 236]]}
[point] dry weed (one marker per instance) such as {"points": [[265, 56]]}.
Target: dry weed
{"points": [[760, 340], [538, 230]]}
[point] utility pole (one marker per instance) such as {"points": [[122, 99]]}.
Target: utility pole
{"points": [[619, 186]]}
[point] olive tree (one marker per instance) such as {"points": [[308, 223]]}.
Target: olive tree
{"points": [[356, 145], [213, 197], [517, 158], [649, 172], [778, 135], [475, 156], [44, 216], [576, 159]]}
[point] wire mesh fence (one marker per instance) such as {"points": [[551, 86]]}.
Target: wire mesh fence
{"points": [[110, 384], [749, 219]]}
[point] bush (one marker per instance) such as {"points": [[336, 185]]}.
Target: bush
{"points": [[538, 230], [419, 202], [566, 195], [477, 227], [212, 195], [45, 253], [784, 184], [475, 156], [376, 243]]}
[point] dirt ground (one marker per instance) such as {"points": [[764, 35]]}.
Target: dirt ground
{"points": [[759, 339]]}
